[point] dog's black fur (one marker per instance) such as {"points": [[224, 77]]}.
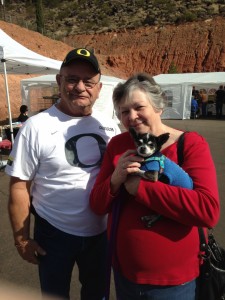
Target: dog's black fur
{"points": [[147, 145]]}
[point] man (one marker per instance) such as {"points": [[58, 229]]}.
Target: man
{"points": [[23, 114], [220, 98], [204, 103], [55, 160]]}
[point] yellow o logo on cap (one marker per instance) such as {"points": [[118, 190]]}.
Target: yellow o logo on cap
{"points": [[83, 52]]}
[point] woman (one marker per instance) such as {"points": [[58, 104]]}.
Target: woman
{"points": [[161, 262]]}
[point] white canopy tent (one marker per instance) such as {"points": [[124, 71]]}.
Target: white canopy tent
{"points": [[17, 59], [178, 90], [177, 87], [38, 90]]}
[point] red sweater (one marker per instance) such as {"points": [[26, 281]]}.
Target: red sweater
{"points": [[167, 253]]}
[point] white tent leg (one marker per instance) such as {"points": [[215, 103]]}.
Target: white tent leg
{"points": [[8, 102]]}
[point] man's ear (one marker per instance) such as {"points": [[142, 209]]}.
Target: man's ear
{"points": [[99, 88], [58, 77]]}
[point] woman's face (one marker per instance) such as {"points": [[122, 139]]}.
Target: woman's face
{"points": [[138, 113]]}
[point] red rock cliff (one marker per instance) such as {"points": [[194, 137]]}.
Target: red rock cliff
{"points": [[192, 47]]}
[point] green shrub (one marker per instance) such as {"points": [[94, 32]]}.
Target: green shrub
{"points": [[189, 16], [172, 68]]}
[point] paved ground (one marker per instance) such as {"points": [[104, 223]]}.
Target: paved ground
{"points": [[14, 270]]}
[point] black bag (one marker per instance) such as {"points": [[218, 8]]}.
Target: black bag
{"points": [[211, 281]]}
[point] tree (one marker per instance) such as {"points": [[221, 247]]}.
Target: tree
{"points": [[39, 16], [172, 68], [3, 7]]}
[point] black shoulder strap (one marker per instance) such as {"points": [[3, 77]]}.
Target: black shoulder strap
{"points": [[180, 158], [180, 149], [202, 239]]}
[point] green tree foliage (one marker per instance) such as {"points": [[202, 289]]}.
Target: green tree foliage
{"points": [[52, 3], [39, 16], [172, 68]]}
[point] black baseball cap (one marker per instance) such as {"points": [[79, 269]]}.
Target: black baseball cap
{"points": [[82, 53]]}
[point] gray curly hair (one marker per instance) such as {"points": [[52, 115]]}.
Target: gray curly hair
{"points": [[143, 82]]}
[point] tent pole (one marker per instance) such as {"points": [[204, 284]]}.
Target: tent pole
{"points": [[8, 101]]}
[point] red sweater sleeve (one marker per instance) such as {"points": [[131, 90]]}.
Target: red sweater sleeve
{"points": [[197, 207], [100, 198]]}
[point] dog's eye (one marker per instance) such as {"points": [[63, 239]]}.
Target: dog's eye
{"points": [[151, 145], [140, 142]]}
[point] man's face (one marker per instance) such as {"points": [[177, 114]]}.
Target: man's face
{"points": [[79, 88]]}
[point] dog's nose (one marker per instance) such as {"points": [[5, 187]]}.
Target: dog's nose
{"points": [[143, 149]]}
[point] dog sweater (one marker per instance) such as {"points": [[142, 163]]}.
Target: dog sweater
{"points": [[166, 167]]}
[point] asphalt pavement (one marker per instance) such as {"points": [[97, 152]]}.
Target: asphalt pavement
{"points": [[15, 271]]}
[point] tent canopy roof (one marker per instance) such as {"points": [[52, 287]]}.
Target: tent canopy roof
{"points": [[20, 60], [191, 78]]}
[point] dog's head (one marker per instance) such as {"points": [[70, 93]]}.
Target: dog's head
{"points": [[148, 144]]}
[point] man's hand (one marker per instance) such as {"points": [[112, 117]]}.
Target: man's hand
{"points": [[29, 250]]}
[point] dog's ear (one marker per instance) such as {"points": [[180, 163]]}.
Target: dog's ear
{"points": [[163, 138], [133, 133]]}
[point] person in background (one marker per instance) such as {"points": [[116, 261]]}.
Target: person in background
{"points": [[194, 107], [23, 114], [55, 160], [194, 91], [160, 262], [220, 99], [204, 102]]}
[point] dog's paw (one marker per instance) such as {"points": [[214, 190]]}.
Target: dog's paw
{"points": [[151, 175], [163, 178], [150, 220], [148, 175], [139, 173]]}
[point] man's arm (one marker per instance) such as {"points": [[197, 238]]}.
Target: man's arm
{"points": [[19, 213]]}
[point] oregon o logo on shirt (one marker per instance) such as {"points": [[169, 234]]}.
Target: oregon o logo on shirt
{"points": [[73, 155]]}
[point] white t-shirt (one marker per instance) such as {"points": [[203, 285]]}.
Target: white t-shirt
{"points": [[62, 155]]}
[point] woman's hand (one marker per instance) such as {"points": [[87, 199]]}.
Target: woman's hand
{"points": [[132, 184], [128, 164]]}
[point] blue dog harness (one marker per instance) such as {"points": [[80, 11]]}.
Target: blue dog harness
{"points": [[154, 163], [175, 174]]}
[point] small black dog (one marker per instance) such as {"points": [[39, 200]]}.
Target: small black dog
{"points": [[157, 166], [147, 146]]}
